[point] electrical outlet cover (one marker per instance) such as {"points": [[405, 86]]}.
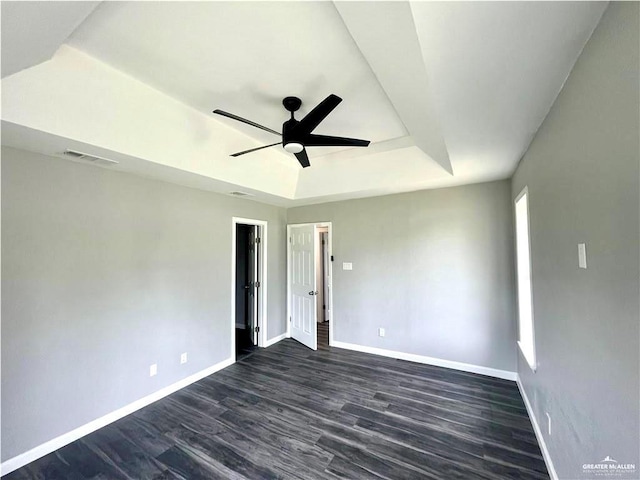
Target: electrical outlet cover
{"points": [[548, 423]]}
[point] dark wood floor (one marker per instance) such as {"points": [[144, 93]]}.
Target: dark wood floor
{"points": [[323, 335], [289, 412]]}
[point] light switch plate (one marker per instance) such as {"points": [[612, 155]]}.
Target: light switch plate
{"points": [[582, 255], [183, 358], [347, 266], [153, 370], [381, 332]]}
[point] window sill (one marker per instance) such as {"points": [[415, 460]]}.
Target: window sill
{"points": [[530, 361]]}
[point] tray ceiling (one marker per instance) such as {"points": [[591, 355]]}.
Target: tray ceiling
{"points": [[449, 92]]}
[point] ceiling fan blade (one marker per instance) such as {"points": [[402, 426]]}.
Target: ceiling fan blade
{"points": [[244, 120], [254, 149], [318, 114], [303, 158], [329, 141]]}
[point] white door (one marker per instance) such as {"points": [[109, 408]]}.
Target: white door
{"points": [[302, 275]]}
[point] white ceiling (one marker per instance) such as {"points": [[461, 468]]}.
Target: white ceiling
{"points": [[496, 68], [245, 57], [450, 93], [53, 22]]}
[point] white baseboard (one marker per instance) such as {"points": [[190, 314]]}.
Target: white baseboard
{"points": [[438, 362], [274, 340], [29, 456], [537, 431]]}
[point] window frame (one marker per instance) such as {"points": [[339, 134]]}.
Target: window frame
{"points": [[530, 357]]}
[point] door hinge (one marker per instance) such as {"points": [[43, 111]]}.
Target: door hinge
{"points": [[322, 242], [289, 318], [289, 239], [324, 307], [257, 284], [332, 258], [257, 329], [258, 240]]}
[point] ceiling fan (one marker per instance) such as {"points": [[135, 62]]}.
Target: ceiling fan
{"points": [[296, 134]]}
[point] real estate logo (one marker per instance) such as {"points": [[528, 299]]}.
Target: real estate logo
{"points": [[608, 467]]}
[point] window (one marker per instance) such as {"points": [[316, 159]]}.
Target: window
{"points": [[526, 339]]}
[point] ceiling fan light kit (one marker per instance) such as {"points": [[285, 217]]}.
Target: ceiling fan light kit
{"points": [[294, 147], [297, 134]]}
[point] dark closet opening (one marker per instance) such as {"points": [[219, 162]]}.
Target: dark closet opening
{"points": [[247, 285]]}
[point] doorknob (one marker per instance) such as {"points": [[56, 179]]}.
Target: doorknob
{"points": [[313, 293]]}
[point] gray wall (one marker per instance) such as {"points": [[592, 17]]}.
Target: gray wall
{"points": [[434, 268], [582, 171], [105, 273]]}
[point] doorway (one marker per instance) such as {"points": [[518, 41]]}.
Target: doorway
{"points": [[322, 286], [248, 286], [309, 285]]}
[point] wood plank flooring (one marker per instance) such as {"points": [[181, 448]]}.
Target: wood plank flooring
{"points": [[289, 412], [323, 335]]}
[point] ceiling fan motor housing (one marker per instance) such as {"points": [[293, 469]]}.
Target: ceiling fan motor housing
{"points": [[289, 137]]}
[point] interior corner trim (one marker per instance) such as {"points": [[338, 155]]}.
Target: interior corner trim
{"points": [[536, 429]]}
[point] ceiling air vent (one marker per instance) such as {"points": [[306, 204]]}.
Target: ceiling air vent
{"points": [[241, 194], [85, 157]]}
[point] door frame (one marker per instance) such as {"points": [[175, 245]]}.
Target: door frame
{"points": [[330, 253], [262, 250]]}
